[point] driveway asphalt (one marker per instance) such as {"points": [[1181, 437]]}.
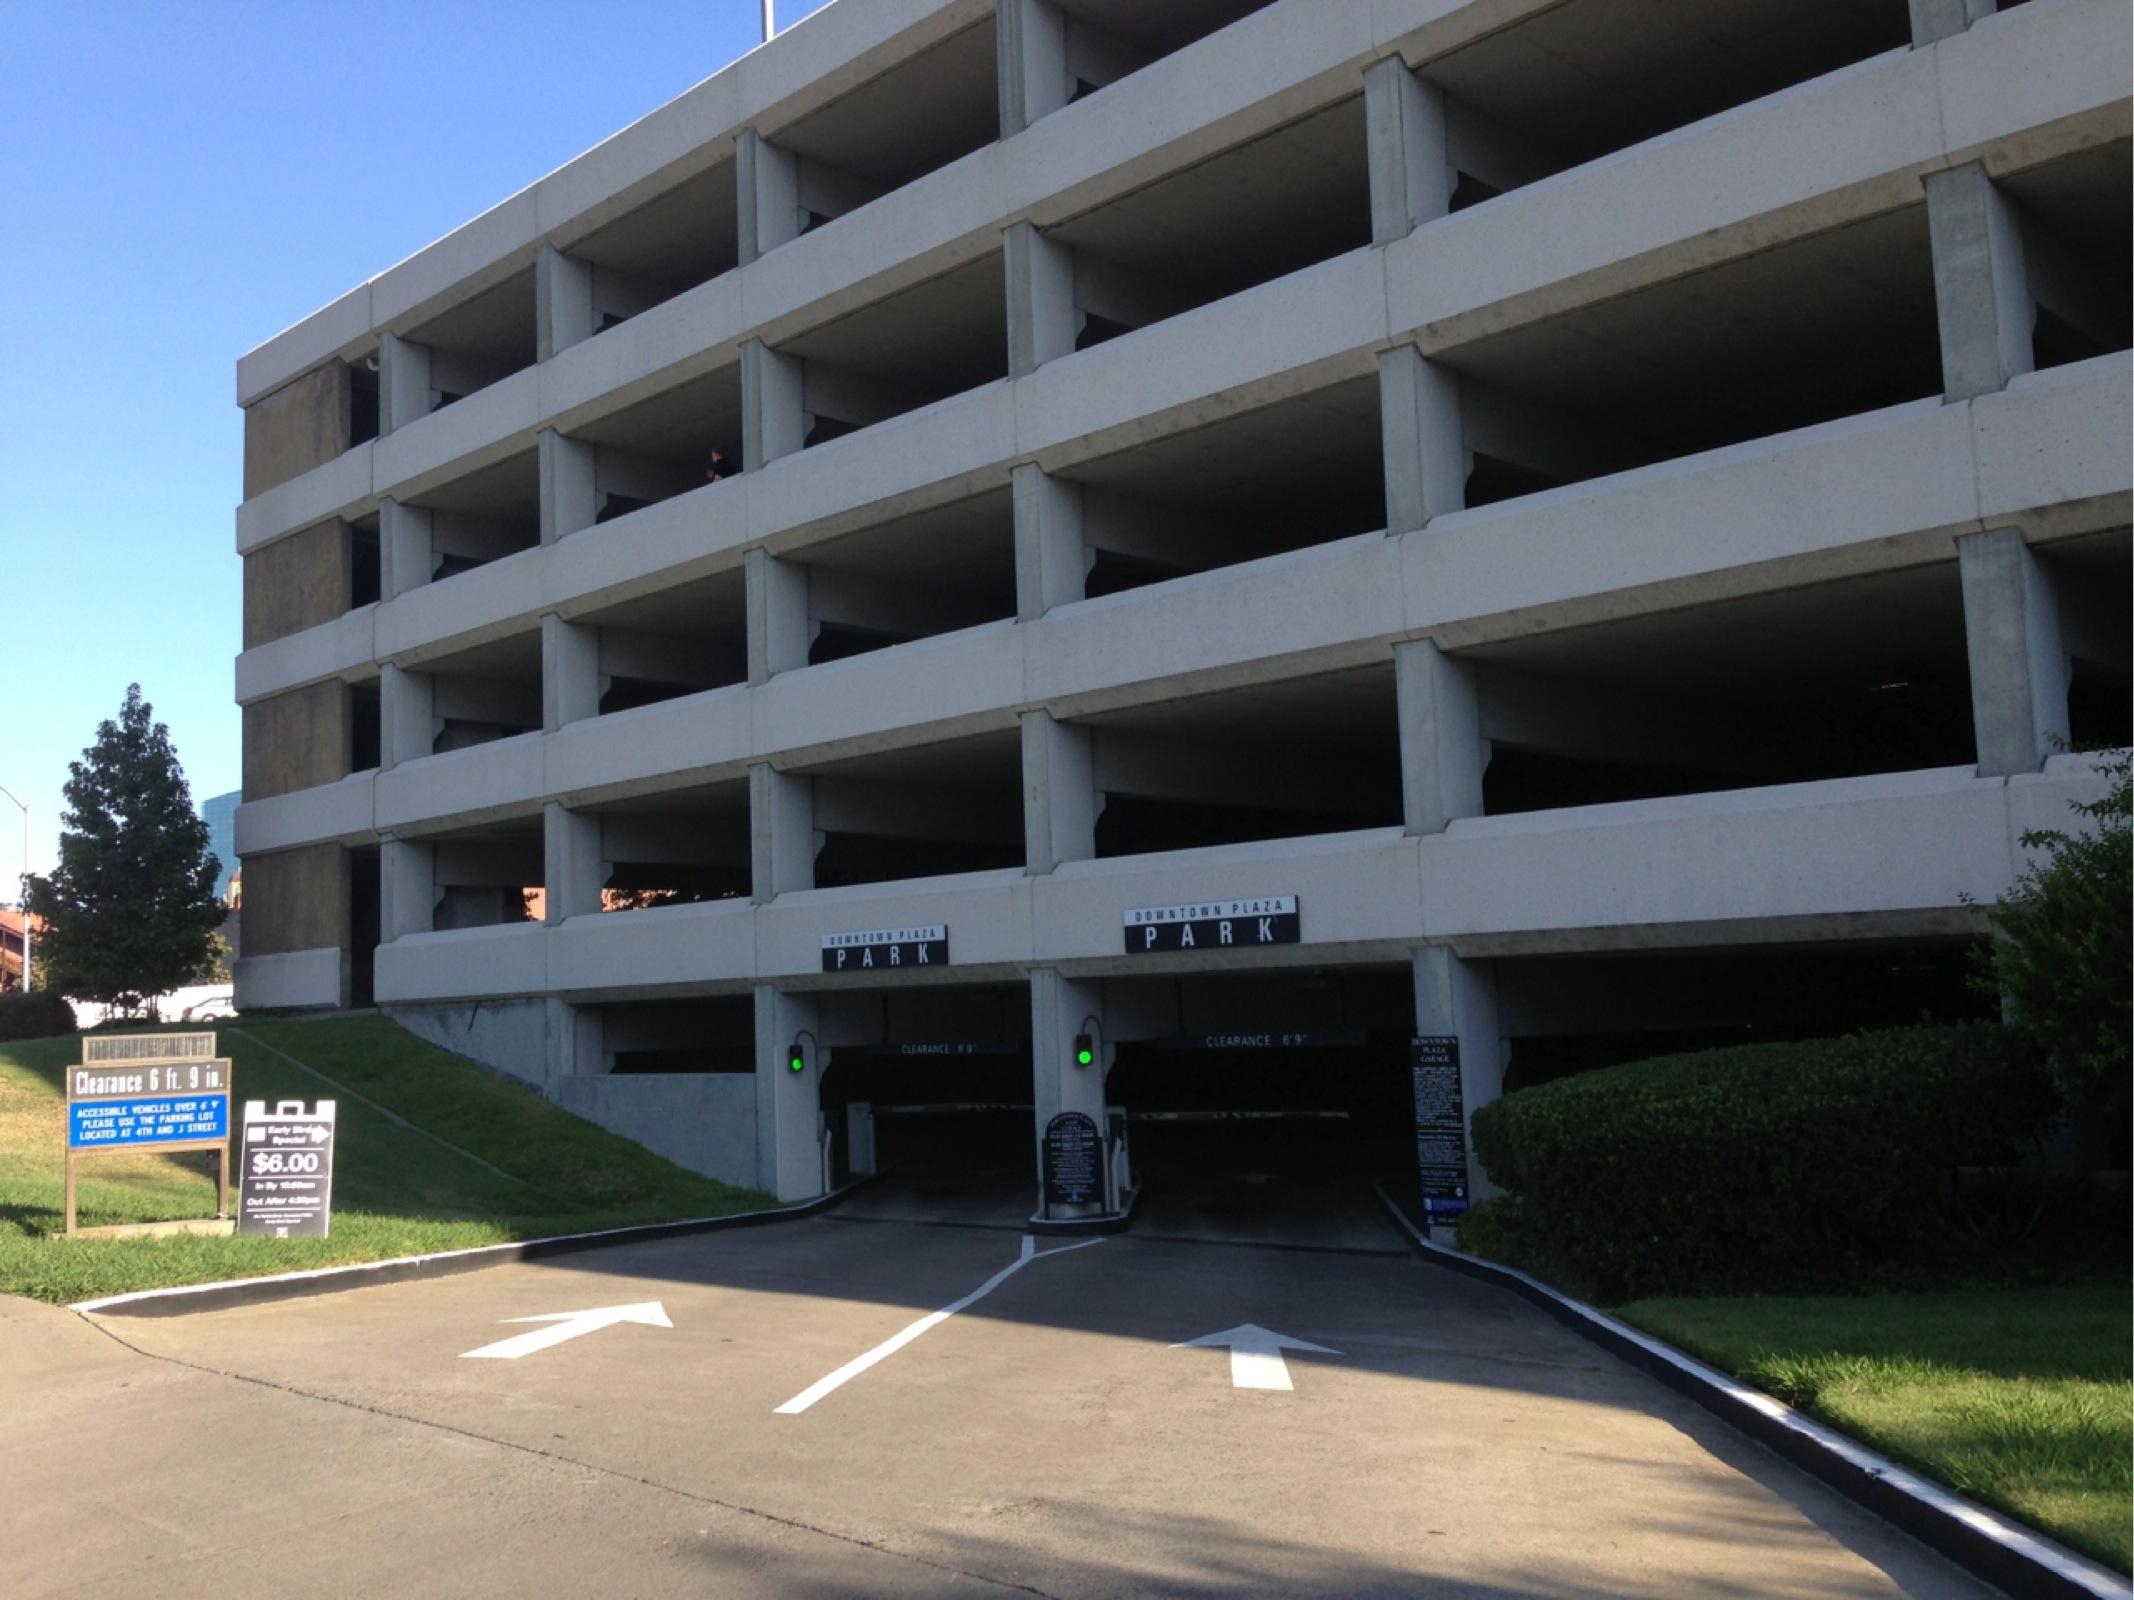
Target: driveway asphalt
{"points": [[810, 1426]]}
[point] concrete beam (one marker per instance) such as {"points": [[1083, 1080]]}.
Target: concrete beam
{"points": [[788, 1103], [407, 716], [768, 179], [1943, 19], [1043, 322], [1030, 57], [569, 502], [1425, 449], [405, 393], [573, 1040], [882, 809], [571, 683], [407, 888], [779, 627], [774, 418], [1442, 755], [1161, 767], [1981, 286], [2019, 667], [1404, 127], [563, 302], [1119, 294], [573, 871], [406, 557], [1060, 799], [674, 839], [1456, 998], [1051, 558], [783, 840]]}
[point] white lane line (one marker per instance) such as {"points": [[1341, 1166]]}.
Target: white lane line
{"points": [[933, 1319]]}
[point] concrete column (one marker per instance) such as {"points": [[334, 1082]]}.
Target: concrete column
{"points": [[407, 716], [2019, 665], [788, 1103], [1941, 19], [1042, 320], [1060, 1009], [1411, 173], [768, 211], [407, 888], [780, 629], [781, 832], [574, 1040], [403, 382], [1051, 552], [1060, 802], [569, 501], [1441, 749], [572, 871], [1030, 52], [774, 418], [1458, 998], [406, 557], [570, 672], [1981, 288], [563, 302], [1425, 450]]}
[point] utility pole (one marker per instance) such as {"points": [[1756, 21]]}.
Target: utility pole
{"points": [[23, 899]]}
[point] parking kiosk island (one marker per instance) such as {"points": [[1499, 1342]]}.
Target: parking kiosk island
{"points": [[160, 1092]]}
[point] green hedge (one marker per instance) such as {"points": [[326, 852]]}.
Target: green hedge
{"points": [[1829, 1163], [37, 1015]]}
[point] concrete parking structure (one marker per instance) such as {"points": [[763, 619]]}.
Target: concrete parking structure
{"points": [[1617, 527]]}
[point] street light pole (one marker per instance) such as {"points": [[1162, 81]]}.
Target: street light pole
{"points": [[769, 26], [24, 900]]}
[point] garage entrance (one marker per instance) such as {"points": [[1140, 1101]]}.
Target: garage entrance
{"points": [[1260, 1130], [942, 1109]]}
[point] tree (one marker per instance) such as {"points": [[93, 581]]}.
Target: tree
{"points": [[2062, 957], [131, 910]]}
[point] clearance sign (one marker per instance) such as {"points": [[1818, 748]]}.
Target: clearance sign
{"points": [[1214, 925]]}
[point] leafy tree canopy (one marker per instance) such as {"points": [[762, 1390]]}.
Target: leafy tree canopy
{"points": [[131, 909]]}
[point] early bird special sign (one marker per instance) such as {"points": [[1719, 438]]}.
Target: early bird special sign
{"points": [[285, 1186], [149, 1091]]}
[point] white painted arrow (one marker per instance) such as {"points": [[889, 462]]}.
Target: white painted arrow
{"points": [[1256, 1355], [564, 1325]]}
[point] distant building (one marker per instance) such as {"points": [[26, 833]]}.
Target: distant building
{"points": [[220, 815], [11, 942]]}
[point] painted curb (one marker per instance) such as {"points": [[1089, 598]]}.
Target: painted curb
{"points": [[2027, 1565], [188, 1298]]}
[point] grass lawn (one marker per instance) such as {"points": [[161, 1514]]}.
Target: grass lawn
{"points": [[2017, 1397], [395, 1191]]}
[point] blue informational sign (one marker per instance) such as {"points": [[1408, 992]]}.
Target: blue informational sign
{"points": [[147, 1121]]}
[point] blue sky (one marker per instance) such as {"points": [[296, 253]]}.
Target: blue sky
{"points": [[181, 181]]}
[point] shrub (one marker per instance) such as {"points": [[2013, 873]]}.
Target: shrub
{"points": [[2063, 957], [1761, 1168], [37, 1015]]}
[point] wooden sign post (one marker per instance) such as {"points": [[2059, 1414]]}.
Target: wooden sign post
{"points": [[159, 1092]]}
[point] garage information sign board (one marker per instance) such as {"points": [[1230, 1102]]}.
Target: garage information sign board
{"points": [[1440, 1127], [1073, 1161], [1214, 925], [160, 1092], [285, 1185]]}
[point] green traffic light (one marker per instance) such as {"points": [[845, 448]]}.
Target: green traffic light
{"points": [[1084, 1057], [799, 1062]]}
